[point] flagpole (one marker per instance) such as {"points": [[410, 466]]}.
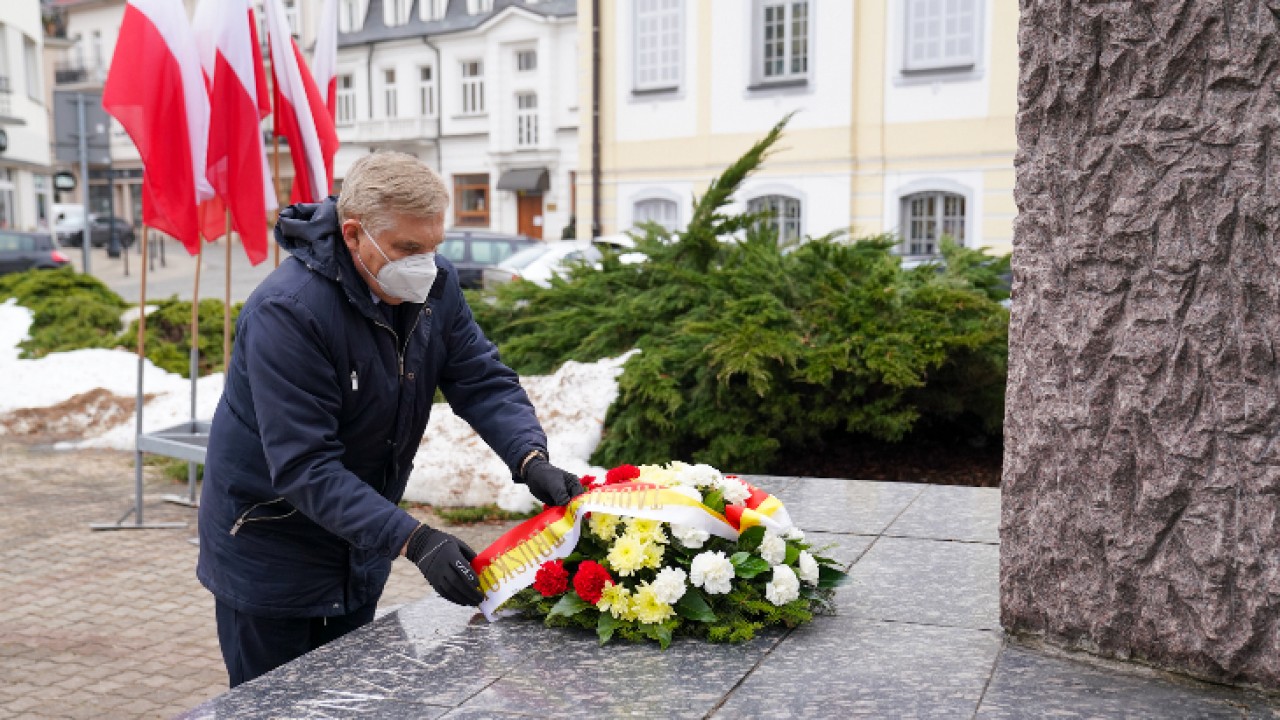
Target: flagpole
{"points": [[226, 305], [136, 511], [192, 468], [275, 175]]}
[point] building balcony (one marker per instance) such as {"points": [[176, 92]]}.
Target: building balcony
{"points": [[404, 130], [6, 97], [70, 73]]}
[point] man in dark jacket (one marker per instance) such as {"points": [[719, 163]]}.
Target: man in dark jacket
{"points": [[337, 357]]}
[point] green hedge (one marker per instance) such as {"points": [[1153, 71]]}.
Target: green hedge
{"points": [[749, 349]]}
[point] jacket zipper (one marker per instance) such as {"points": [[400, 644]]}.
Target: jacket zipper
{"points": [[244, 517]]}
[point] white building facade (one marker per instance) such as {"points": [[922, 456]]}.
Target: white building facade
{"points": [[25, 173], [484, 92]]}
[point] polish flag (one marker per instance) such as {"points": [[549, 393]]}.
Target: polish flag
{"points": [[156, 91], [237, 162], [301, 116], [325, 58]]}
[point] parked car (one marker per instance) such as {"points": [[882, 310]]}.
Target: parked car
{"points": [[538, 264], [471, 251], [70, 230], [26, 250]]}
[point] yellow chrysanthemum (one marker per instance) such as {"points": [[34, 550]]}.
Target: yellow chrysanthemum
{"points": [[627, 554], [649, 531], [657, 475], [615, 599], [652, 555], [648, 608], [603, 525]]}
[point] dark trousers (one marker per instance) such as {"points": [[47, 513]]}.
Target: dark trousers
{"points": [[254, 645]]}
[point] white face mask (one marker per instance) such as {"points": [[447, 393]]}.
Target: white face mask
{"points": [[409, 278]]}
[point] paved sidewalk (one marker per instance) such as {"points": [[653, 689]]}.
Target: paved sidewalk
{"points": [[176, 274], [110, 624]]}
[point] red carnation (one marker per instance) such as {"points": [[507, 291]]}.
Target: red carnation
{"points": [[552, 579], [621, 474], [588, 481], [591, 580]]}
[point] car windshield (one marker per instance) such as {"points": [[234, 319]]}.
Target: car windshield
{"points": [[526, 257]]}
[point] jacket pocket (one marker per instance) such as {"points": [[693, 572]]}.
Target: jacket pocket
{"points": [[266, 511]]}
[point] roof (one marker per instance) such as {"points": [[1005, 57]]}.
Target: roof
{"points": [[456, 19]]}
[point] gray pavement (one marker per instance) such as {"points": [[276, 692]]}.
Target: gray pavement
{"points": [[172, 270]]}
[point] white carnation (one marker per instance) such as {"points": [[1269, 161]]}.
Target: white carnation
{"points": [[712, 572], [773, 548], [690, 537], [735, 491], [808, 568], [669, 585], [696, 475], [784, 587]]}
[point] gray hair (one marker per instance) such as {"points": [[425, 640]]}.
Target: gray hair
{"points": [[386, 183]]}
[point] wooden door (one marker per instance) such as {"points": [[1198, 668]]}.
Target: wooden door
{"points": [[529, 213]]}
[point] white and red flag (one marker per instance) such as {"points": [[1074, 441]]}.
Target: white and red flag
{"points": [[237, 158], [301, 116], [156, 90], [324, 60]]}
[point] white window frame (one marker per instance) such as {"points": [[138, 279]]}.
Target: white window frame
{"points": [[31, 64], [390, 93], [351, 16], [790, 226], [431, 10], [9, 208], [792, 42], [652, 70], [346, 110], [952, 10], [472, 87], [427, 91], [476, 7], [526, 120], [396, 12], [938, 221], [526, 60], [662, 210]]}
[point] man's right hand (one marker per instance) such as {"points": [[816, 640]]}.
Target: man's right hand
{"points": [[445, 561]]}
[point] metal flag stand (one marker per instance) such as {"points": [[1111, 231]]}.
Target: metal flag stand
{"points": [[193, 467], [140, 447]]}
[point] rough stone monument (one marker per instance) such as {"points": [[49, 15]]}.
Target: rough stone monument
{"points": [[1141, 514]]}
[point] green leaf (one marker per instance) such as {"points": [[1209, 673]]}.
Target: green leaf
{"points": [[793, 555], [606, 625], [570, 604], [750, 538], [661, 633], [747, 566], [692, 606], [715, 501], [829, 577]]}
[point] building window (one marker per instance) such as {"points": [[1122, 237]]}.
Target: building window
{"points": [[44, 201], [427, 91], [475, 7], [291, 17], [32, 60], [941, 34], [526, 60], [930, 216], [389, 106], [782, 40], [350, 16], [526, 120], [396, 12], [658, 210], [472, 87], [432, 9], [346, 110], [471, 200], [8, 212], [783, 215], [658, 46]]}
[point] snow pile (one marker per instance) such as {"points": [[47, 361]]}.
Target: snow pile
{"points": [[453, 467]]}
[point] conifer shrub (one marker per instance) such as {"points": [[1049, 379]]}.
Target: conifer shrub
{"points": [[749, 349], [169, 335], [71, 311]]}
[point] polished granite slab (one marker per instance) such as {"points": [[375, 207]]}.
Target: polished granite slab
{"points": [[916, 634]]}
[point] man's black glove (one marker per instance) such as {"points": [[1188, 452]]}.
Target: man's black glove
{"points": [[445, 561], [549, 483]]}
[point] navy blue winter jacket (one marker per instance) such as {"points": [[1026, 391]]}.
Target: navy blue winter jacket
{"points": [[319, 422]]}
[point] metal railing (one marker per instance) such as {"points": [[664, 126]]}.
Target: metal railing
{"points": [[6, 96], [69, 73]]}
